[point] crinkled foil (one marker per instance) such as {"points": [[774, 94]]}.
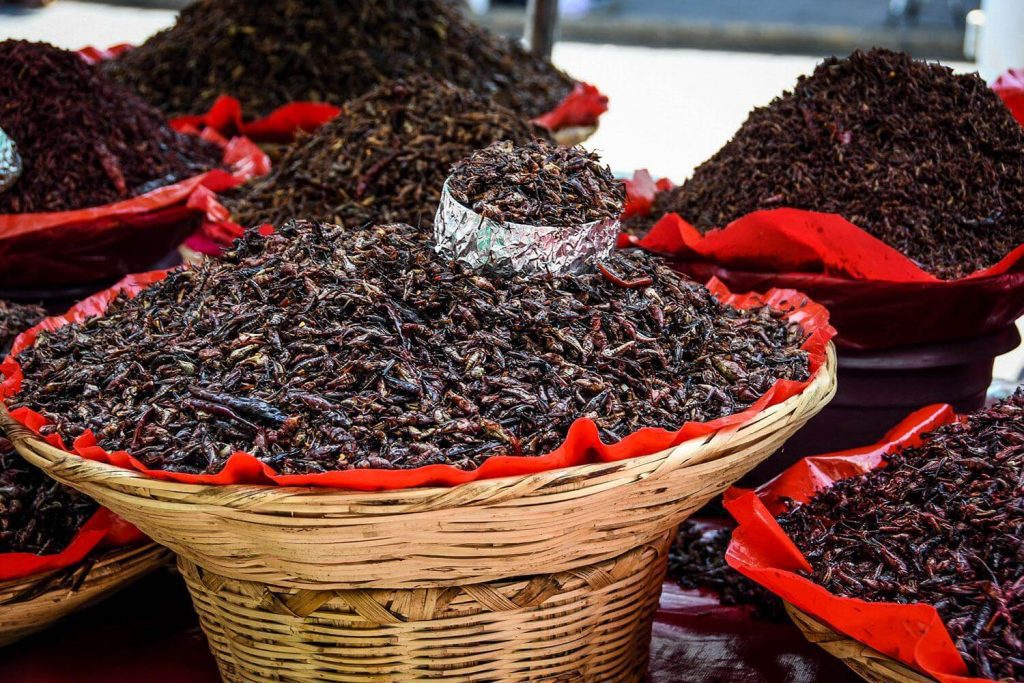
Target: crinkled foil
{"points": [[464, 235], [10, 162]]}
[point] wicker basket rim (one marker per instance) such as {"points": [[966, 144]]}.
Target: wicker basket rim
{"points": [[98, 557], [879, 663], [820, 388]]}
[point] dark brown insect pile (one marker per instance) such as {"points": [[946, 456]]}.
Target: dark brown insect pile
{"points": [[270, 53], [15, 319], [539, 183], [383, 160], [320, 348], [930, 162], [942, 524], [84, 140], [696, 561], [37, 515]]}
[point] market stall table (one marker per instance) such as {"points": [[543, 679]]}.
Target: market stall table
{"points": [[149, 632]]}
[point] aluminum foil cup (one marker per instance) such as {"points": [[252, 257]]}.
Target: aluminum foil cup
{"points": [[464, 235], [10, 162]]}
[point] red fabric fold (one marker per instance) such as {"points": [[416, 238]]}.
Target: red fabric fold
{"points": [[1010, 87], [878, 315], [641, 190], [760, 550], [96, 242], [581, 107], [793, 240], [279, 126], [95, 55], [582, 444], [878, 297], [103, 529]]}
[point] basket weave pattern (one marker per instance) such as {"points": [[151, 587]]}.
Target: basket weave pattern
{"points": [[539, 577], [31, 604], [866, 662], [589, 624]]}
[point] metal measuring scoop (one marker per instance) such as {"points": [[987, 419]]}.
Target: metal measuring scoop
{"points": [[464, 235]]}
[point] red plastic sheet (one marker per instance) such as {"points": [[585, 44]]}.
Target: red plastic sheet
{"points": [[1010, 87], [279, 126], [95, 55], [98, 242], [913, 634], [582, 107], [103, 529], [217, 230], [878, 297], [582, 444], [640, 192]]}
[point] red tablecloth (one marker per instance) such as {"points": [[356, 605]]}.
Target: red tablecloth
{"points": [[149, 633]]}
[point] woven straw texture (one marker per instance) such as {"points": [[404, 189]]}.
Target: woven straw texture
{"points": [[869, 664], [33, 603], [550, 576], [589, 624]]}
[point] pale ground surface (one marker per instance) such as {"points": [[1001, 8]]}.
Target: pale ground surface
{"points": [[670, 108]]}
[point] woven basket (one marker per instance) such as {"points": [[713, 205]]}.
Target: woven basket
{"points": [[573, 135], [589, 624], [866, 662], [459, 566], [31, 604]]}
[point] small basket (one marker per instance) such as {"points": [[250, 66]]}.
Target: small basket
{"points": [[550, 576], [866, 662], [32, 603]]}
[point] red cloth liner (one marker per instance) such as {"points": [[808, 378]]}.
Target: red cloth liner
{"points": [[1010, 87], [93, 239], [103, 529], [878, 297], [582, 444], [760, 550], [793, 240]]}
